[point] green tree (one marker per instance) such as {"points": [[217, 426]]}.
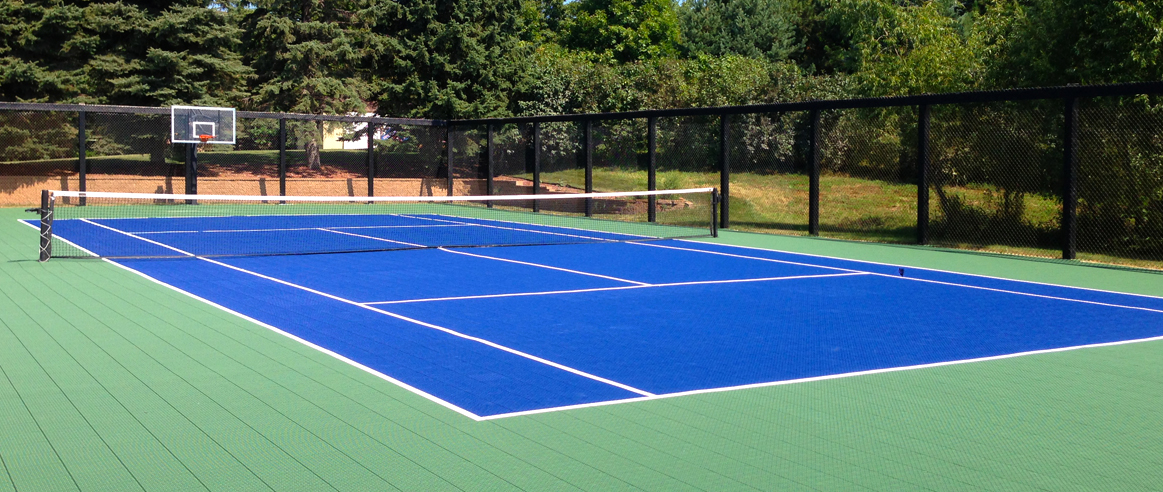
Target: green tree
{"points": [[309, 57], [449, 59], [752, 28], [144, 53], [896, 49], [621, 30], [1055, 42]]}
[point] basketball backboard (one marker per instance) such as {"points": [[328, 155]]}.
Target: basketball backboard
{"points": [[192, 124]]}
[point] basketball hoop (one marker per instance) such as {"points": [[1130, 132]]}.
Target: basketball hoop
{"points": [[204, 138]]}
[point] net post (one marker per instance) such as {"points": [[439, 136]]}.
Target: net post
{"points": [[282, 156], [536, 163], [1070, 181], [923, 174], [46, 215], [371, 159], [814, 174], [448, 156], [588, 149], [82, 159], [725, 170], [715, 198], [652, 167], [491, 131]]}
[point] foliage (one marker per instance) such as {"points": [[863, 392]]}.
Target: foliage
{"points": [[760, 29], [307, 56], [898, 50], [621, 31], [152, 53], [1055, 42], [446, 59]]}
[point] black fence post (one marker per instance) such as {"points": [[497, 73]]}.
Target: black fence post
{"points": [[588, 156], [448, 155], [82, 161], [652, 167], [282, 156], [814, 173], [536, 163], [1070, 181], [725, 170], [923, 175], [371, 159], [489, 163]]}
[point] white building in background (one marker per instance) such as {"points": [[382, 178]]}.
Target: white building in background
{"points": [[333, 135]]}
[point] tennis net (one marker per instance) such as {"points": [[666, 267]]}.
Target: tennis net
{"points": [[141, 225]]}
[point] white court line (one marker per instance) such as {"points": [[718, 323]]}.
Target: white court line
{"points": [[373, 237], [627, 287], [579, 272], [1032, 282], [1020, 293], [821, 378], [953, 284], [301, 229], [410, 320], [591, 238], [772, 260]]}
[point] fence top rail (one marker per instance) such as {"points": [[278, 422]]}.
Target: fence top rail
{"points": [[1026, 94], [103, 108]]}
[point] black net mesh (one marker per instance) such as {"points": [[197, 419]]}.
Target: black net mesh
{"points": [[131, 153], [38, 150], [410, 161], [996, 177], [868, 174], [1120, 181], [620, 155], [769, 172]]}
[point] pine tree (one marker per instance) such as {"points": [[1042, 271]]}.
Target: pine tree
{"points": [[309, 57], [140, 53], [450, 58]]}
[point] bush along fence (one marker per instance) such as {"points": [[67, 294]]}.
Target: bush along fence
{"points": [[1066, 172]]}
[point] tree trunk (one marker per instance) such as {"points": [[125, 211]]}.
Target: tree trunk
{"points": [[313, 143]]}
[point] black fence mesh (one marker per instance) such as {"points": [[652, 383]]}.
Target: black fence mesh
{"points": [[996, 175], [1120, 181], [619, 159], [250, 167], [38, 150], [132, 153], [868, 186], [996, 169], [562, 167], [769, 172], [469, 169], [410, 160], [512, 161]]}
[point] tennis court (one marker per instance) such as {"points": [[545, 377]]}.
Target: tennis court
{"points": [[736, 339]]}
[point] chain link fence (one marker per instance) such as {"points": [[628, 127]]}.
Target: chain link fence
{"points": [[1067, 172]]}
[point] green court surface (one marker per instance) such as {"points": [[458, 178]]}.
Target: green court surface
{"points": [[109, 381]]}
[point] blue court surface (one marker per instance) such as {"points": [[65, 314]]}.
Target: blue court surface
{"points": [[501, 331]]}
